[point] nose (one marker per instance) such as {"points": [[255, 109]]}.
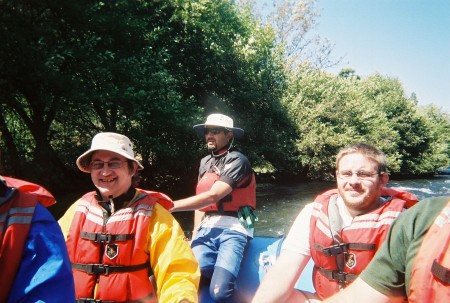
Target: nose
{"points": [[354, 179], [106, 170]]}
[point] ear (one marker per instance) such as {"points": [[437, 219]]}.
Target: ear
{"points": [[133, 171], [229, 135], [135, 165], [384, 178]]}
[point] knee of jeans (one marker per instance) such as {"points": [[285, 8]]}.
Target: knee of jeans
{"points": [[221, 293], [222, 285]]}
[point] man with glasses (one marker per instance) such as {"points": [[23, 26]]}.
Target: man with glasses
{"points": [[124, 245], [341, 230], [225, 197]]}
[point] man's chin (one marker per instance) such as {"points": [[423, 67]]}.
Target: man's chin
{"points": [[354, 200]]}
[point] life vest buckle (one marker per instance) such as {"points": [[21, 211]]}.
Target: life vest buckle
{"points": [[336, 249], [339, 276], [104, 238], [101, 269]]}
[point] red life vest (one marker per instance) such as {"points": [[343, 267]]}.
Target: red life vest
{"points": [[16, 214], [42, 195], [108, 256], [239, 197], [430, 273], [338, 262]]}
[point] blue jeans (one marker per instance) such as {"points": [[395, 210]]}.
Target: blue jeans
{"points": [[219, 253]]}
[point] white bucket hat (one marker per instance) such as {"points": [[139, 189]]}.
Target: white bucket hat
{"points": [[113, 142], [222, 121]]}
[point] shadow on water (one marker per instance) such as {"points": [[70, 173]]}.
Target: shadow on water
{"points": [[278, 205]]}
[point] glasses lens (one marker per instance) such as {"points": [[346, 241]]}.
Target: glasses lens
{"points": [[115, 164], [213, 131], [97, 165], [345, 174], [362, 175]]}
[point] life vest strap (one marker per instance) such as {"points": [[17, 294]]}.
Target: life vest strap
{"points": [[441, 272], [105, 237], [104, 269], [341, 248], [341, 277]]}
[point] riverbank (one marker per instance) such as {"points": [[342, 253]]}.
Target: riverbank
{"points": [[278, 203]]}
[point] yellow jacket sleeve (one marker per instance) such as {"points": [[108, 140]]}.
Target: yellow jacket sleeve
{"points": [[174, 265], [66, 220]]}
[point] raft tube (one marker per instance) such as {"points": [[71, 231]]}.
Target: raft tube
{"points": [[259, 256]]}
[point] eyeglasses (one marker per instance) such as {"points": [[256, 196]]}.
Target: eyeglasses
{"points": [[214, 130], [361, 175], [114, 164]]}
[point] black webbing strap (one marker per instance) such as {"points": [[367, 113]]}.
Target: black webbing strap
{"points": [[104, 269], [89, 300], [341, 277], [441, 272], [341, 248], [106, 238]]}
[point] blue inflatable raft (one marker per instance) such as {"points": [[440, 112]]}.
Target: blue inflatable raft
{"points": [[259, 256]]}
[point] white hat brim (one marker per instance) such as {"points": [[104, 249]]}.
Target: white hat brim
{"points": [[238, 133], [83, 161]]}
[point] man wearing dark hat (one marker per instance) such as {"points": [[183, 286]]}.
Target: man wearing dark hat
{"points": [[225, 197], [118, 236]]}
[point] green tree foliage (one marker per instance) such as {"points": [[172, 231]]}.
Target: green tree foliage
{"points": [[439, 124], [153, 69], [415, 137], [149, 69], [329, 114], [333, 111]]}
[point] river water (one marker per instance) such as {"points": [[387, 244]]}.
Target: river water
{"points": [[278, 205]]}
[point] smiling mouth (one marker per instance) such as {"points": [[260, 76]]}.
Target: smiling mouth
{"points": [[354, 191], [110, 180]]}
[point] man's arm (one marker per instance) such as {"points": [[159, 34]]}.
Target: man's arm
{"points": [[218, 191], [278, 284], [360, 291]]}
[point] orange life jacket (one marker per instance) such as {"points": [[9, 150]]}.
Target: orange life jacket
{"points": [[338, 261], [42, 195], [239, 197], [16, 214], [108, 256], [430, 274]]}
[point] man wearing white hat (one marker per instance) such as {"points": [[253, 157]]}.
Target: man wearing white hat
{"points": [[225, 197], [118, 236]]}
